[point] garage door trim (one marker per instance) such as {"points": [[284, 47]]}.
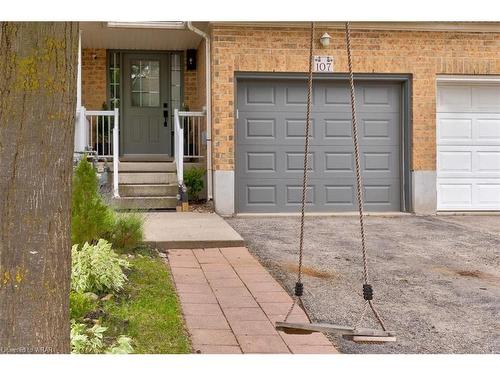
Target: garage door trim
{"points": [[406, 134]]}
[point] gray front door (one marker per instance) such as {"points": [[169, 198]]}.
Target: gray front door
{"points": [[270, 144], [146, 131]]}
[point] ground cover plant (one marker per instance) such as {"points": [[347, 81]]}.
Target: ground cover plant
{"points": [[122, 299], [148, 309], [97, 268]]}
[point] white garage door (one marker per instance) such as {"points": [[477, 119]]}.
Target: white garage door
{"points": [[468, 147]]}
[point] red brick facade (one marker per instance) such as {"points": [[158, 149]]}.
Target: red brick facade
{"points": [[285, 49]]}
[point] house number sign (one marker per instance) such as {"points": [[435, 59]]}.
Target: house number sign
{"points": [[323, 64]]}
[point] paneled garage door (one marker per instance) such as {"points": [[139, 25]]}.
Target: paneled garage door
{"points": [[468, 147], [270, 144]]}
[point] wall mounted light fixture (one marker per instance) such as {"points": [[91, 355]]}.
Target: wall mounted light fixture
{"points": [[325, 40]]}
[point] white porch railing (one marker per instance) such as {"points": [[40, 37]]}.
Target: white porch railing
{"points": [[189, 128], [101, 126], [101, 132], [193, 124]]}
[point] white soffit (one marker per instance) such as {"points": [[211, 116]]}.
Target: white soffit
{"points": [[148, 25], [118, 36]]}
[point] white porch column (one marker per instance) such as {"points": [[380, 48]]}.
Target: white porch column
{"points": [[79, 73], [116, 153], [80, 121]]}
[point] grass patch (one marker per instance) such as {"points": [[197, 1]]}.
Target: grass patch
{"points": [[81, 304], [147, 309]]}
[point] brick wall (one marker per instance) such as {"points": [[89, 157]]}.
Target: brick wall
{"points": [[190, 87], [201, 74], [201, 85], [421, 54], [194, 81], [94, 72]]}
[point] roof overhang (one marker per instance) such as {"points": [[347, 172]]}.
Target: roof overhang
{"points": [[174, 35], [140, 35]]}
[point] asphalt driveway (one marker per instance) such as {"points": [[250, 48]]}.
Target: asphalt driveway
{"points": [[436, 279]]}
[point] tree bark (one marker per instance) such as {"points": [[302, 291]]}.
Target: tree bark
{"points": [[38, 68]]}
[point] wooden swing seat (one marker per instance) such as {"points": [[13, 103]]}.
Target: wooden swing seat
{"points": [[360, 335]]}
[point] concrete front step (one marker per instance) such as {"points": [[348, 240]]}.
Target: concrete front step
{"points": [[144, 203], [147, 178], [189, 230], [148, 190], [131, 166]]}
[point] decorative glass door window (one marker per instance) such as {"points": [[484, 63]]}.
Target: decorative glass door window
{"points": [[145, 77], [175, 81], [114, 80]]}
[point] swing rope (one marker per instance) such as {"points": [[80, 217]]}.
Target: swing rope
{"points": [[367, 287], [299, 286]]}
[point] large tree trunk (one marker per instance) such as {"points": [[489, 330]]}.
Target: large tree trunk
{"points": [[38, 67]]}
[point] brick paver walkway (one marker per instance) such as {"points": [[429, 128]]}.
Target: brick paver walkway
{"points": [[230, 303]]}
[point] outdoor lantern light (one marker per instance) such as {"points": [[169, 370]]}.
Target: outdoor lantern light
{"points": [[325, 40]]}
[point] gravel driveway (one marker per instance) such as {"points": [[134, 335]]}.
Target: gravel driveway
{"points": [[436, 279]]}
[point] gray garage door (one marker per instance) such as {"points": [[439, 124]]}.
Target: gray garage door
{"points": [[270, 144]]}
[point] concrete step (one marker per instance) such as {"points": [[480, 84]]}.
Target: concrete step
{"points": [[144, 203], [189, 230], [146, 158], [132, 166], [147, 178], [147, 190]]}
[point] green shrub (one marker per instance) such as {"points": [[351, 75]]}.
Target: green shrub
{"points": [[123, 345], [193, 178], [127, 232], [91, 219], [85, 340], [97, 268], [80, 304]]}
